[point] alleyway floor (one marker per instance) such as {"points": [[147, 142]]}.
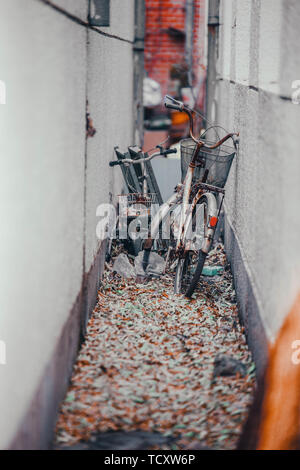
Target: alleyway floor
{"points": [[159, 371]]}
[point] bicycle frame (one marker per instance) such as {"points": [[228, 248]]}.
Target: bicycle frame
{"points": [[185, 217], [145, 190], [185, 193], [187, 184]]}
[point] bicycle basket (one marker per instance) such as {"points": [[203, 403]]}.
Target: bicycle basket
{"points": [[214, 164], [145, 200], [136, 204]]}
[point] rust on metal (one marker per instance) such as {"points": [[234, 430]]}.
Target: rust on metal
{"points": [[90, 130], [148, 244]]}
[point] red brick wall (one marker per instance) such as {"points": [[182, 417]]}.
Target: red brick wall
{"points": [[162, 50]]}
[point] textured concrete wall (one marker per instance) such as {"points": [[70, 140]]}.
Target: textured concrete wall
{"points": [[258, 61], [52, 180], [110, 70]]}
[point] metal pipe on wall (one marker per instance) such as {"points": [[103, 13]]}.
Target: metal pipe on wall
{"points": [[212, 57], [138, 55], [189, 37]]}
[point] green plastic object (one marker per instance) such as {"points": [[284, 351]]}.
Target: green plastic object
{"points": [[212, 271]]}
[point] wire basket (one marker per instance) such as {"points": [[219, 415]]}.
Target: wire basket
{"points": [[136, 204], [213, 164], [137, 198]]}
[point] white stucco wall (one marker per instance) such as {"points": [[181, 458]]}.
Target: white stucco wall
{"points": [[242, 40], [270, 34], [45, 181], [110, 69], [263, 190]]}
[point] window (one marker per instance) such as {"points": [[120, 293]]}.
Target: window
{"points": [[99, 12]]}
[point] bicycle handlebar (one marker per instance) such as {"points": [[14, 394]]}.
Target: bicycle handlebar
{"points": [[139, 161], [168, 152], [218, 144], [171, 103], [115, 163]]}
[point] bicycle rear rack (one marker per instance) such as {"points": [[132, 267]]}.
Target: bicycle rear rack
{"points": [[209, 187]]}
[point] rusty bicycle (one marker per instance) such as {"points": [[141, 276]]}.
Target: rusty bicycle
{"points": [[138, 206], [196, 204]]}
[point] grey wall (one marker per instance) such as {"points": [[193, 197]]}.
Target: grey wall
{"points": [[52, 179], [257, 62]]}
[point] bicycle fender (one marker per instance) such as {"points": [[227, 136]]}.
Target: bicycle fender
{"points": [[212, 211]]}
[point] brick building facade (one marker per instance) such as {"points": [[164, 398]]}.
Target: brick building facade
{"points": [[165, 44]]}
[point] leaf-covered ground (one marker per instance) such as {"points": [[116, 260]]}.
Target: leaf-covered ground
{"points": [[148, 364]]}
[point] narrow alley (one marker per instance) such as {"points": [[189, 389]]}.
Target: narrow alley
{"points": [[150, 224], [158, 371]]}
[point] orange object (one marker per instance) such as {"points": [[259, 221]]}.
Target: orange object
{"points": [[178, 118], [280, 422], [213, 221]]}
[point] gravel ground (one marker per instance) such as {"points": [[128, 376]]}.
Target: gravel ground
{"points": [[148, 365]]}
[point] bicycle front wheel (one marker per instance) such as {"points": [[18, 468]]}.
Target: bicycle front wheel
{"points": [[189, 267], [180, 275], [195, 279]]}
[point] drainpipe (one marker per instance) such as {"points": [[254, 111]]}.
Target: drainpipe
{"points": [[189, 37], [212, 57], [138, 57]]}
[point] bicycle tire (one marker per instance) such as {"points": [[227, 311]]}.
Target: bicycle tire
{"points": [[191, 279], [133, 246], [197, 274], [181, 266], [181, 285]]}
